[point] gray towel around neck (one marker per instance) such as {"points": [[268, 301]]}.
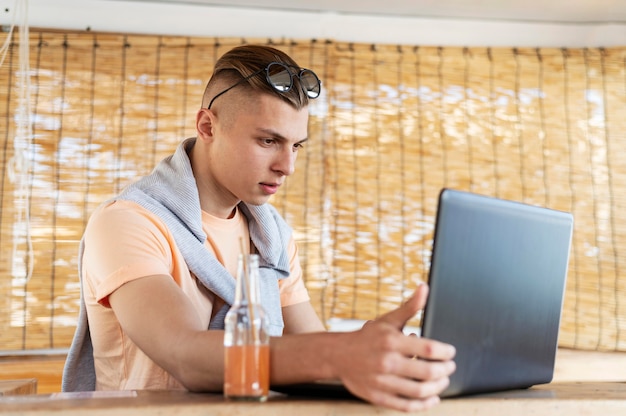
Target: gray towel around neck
{"points": [[170, 193]]}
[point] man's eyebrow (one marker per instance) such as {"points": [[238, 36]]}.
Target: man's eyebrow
{"points": [[279, 136]]}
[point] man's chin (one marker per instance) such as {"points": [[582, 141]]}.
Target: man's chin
{"points": [[256, 201]]}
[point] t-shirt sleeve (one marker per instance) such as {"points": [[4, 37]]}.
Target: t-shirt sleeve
{"points": [[123, 242], [292, 288]]}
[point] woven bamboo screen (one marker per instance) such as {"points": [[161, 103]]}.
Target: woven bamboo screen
{"points": [[393, 126]]}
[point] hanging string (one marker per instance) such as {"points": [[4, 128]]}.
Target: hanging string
{"points": [[542, 124], [307, 163], [335, 204], [518, 123], [379, 162], [120, 137], [573, 200], [420, 138], [594, 199], [285, 188], [25, 312], [492, 121], [355, 181], [183, 122], [466, 100], [92, 111], [18, 168], [325, 264], [216, 47], [619, 311], [57, 190], [7, 117], [5, 154], [442, 128], [401, 139], [611, 205], [20, 5], [157, 82]]}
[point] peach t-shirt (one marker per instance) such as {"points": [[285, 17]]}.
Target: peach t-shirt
{"points": [[123, 242]]}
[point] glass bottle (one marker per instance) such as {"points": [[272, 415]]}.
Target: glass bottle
{"points": [[246, 338]]}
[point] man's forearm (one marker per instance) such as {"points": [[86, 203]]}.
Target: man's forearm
{"points": [[293, 359], [304, 357]]}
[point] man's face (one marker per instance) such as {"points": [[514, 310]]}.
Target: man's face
{"points": [[255, 148]]}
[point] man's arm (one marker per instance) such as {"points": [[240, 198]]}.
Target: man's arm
{"points": [[159, 318], [301, 318], [375, 363]]}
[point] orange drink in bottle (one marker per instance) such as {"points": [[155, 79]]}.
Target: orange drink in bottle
{"points": [[246, 340]]}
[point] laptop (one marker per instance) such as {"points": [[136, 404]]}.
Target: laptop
{"points": [[497, 283]]}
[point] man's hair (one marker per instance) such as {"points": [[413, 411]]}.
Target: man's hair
{"points": [[242, 61]]}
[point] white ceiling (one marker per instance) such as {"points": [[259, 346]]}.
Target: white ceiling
{"points": [[555, 11], [520, 23]]}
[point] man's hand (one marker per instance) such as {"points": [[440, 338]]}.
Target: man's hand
{"points": [[385, 367]]}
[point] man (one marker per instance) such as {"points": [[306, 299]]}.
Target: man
{"points": [[157, 262]]}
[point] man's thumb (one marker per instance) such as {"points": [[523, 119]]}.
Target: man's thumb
{"points": [[399, 316]]}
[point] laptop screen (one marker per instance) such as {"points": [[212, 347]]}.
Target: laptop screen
{"points": [[497, 282]]}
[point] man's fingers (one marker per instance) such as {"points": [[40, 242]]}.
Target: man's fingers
{"points": [[405, 405], [419, 369], [403, 384], [398, 317], [406, 394], [431, 350]]}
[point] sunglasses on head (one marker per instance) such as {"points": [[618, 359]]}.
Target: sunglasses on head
{"points": [[280, 77]]}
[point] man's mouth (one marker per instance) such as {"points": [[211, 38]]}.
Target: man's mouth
{"points": [[270, 188]]}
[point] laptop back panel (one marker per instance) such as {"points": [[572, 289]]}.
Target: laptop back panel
{"points": [[497, 281]]}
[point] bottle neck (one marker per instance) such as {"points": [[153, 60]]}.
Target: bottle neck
{"points": [[247, 288]]}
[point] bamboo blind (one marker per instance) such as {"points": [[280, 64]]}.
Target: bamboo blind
{"points": [[393, 126]]}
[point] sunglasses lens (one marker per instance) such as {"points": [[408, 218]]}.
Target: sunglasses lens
{"points": [[310, 82], [279, 76]]}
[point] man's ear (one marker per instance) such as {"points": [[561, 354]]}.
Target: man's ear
{"points": [[205, 124]]}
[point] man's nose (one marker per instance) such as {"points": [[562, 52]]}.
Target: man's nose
{"points": [[286, 162]]}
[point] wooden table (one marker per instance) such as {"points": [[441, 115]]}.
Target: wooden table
{"points": [[13, 387], [559, 399]]}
